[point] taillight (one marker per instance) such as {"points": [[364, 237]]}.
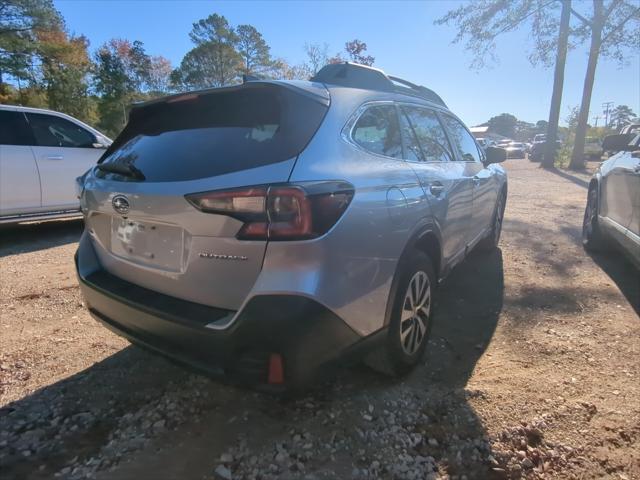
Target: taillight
{"points": [[280, 212]]}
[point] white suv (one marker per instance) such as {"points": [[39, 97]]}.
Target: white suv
{"points": [[41, 154]]}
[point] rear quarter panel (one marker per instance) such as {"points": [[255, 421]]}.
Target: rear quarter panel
{"points": [[351, 268]]}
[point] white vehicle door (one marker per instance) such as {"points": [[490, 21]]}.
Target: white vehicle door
{"points": [[19, 179], [63, 150]]}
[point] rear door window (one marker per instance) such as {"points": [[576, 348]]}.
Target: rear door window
{"points": [[53, 131], [377, 131], [14, 129], [216, 133], [430, 134], [462, 140], [412, 149]]}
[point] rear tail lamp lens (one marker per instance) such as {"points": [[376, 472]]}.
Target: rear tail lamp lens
{"points": [[279, 212]]}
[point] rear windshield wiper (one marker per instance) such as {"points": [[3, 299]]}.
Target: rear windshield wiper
{"points": [[126, 169]]}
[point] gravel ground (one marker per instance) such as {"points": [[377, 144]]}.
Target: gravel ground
{"points": [[532, 372]]}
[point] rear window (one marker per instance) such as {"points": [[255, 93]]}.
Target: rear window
{"points": [[216, 133]]}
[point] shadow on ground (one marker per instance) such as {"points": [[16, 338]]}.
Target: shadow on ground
{"points": [[133, 381], [30, 237], [622, 272], [572, 178]]}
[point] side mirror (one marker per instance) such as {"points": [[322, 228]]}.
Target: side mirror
{"points": [[620, 143], [495, 155]]}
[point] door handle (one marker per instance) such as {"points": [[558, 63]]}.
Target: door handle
{"points": [[54, 157], [436, 189], [476, 180]]}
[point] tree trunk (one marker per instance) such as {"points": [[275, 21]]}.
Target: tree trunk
{"points": [[577, 156], [558, 82]]}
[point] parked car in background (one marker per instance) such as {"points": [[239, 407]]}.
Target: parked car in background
{"points": [[540, 138], [485, 142], [612, 214], [41, 154], [626, 135], [593, 148], [504, 143], [266, 229], [537, 150], [516, 150]]}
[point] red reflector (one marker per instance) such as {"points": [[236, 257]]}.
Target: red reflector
{"points": [[276, 369]]}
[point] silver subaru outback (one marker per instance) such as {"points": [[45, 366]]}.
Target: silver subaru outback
{"points": [[267, 230]]}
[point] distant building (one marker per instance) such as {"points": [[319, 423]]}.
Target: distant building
{"points": [[483, 132]]}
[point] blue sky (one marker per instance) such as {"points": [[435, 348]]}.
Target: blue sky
{"points": [[400, 35]]}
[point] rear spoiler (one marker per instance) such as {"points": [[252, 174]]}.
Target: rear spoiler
{"points": [[313, 90]]}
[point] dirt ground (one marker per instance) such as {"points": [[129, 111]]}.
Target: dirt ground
{"points": [[533, 371]]}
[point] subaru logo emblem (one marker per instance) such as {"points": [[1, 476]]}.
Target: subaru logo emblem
{"points": [[120, 204]]}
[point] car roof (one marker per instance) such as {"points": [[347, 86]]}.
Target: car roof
{"points": [[20, 108], [331, 81]]}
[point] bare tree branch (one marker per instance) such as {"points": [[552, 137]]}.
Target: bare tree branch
{"points": [[581, 18], [610, 8], [621, 24]]}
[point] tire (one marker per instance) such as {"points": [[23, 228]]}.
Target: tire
{"points": [[592, 238], [490, 242], [409, 328]]}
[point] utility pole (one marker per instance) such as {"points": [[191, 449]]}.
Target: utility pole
{"points": [[606, 109], [558, 82], [595, 119]]}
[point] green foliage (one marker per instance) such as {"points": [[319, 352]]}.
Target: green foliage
{"points": [[19, 22], [42, 65], [621, 116], [215, 60], [65, 69], [479, 23], [503, 124], [253, 49], [124, 73]]}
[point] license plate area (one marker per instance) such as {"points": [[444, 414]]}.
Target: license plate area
{"points": [[148, 243]]}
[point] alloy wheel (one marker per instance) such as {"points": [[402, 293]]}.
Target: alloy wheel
{"points": [[416, 308]]}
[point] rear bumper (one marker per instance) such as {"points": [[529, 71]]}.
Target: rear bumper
{"points": [[307, 335]]}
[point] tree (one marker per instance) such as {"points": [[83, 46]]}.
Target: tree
{"points": [[611, 29], [281, 70], [317, 56], [356, 50], [503, 124], [549, 157], [480, 23], [214, 61], [541, 126], [64, 73], [159, 75], [622, 115], [19, 22], [253, 49], [122, 75]]}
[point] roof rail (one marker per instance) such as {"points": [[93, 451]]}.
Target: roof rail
{"points": [[354, 75]]}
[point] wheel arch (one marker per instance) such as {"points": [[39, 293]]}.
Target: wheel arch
{"points": [[426, 239]]}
